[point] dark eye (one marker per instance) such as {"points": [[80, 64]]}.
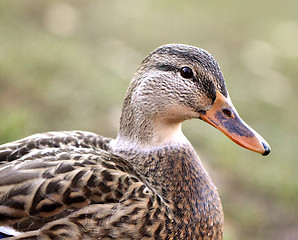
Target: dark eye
{"points": [[186, 72]]}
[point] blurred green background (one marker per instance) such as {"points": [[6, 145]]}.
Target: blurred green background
{"points": [[66, 65]]}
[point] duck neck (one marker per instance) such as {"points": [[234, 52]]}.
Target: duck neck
{"points": [[154, 144]]}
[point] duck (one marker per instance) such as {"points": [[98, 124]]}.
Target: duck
{"points": [[148, 182]]}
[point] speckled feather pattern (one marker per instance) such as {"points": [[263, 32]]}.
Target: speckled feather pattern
{"points": [[81, 189], [66, 185]]}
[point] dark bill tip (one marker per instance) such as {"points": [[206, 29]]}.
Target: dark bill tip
{"points": [[266, 148]]}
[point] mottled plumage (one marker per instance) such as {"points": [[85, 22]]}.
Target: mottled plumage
{"points": [[148, 183]]}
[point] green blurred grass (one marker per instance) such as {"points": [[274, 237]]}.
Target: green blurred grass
{"points": [[66, 65]]}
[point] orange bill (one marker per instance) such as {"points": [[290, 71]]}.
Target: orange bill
{"points": [[224, 117]]}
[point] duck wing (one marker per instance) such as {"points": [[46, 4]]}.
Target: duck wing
{"points": [[67, 185], [79, 139]]}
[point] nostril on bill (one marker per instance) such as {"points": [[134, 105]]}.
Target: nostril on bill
{"points": [[227, 112]]}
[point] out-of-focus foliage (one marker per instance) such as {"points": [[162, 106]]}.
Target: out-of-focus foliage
{"points": [[66, 65]]}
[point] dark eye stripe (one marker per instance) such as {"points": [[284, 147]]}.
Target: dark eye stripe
{"points": [[165, 67]]}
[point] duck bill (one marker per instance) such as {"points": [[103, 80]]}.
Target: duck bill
{"points": [[224, 117]]}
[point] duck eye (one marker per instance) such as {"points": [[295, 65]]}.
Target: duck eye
{"points": [[186, 72]]}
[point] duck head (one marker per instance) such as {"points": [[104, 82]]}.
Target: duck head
{"points": [[175, 83]]}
